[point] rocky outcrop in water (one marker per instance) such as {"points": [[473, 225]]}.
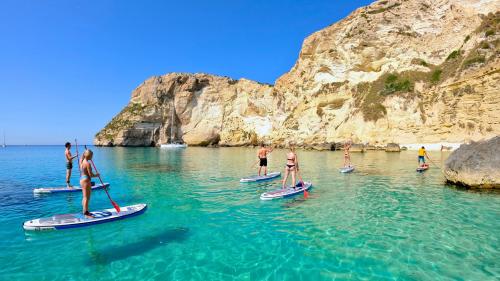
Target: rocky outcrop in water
{"points": [[475, 165], [392, 72]]}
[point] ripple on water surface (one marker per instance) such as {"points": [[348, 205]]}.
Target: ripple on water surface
{"points": [[384, 221]]}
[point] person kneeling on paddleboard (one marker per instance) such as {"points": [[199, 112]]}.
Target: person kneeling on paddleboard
{"points": [[291, 167], [85, 183]]}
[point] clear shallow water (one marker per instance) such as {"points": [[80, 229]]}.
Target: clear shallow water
{"points": [[383, 222]]}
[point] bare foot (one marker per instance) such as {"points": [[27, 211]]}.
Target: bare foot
{"points": [[88, 215]]}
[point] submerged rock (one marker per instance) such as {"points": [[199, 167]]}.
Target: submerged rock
{"points": [[475, 165]]}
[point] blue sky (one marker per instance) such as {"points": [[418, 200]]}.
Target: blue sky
{"points": [[67, 67]]}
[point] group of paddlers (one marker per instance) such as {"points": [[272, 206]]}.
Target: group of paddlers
{"points": [[291, 167], [292, 163]]}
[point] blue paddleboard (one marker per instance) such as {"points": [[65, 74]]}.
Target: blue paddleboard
{"points": [[287, 192], [261, 178], [66, 221], [65, 189]]}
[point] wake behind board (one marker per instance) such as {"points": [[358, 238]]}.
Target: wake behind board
{"points": [[423, 168], [346, 169], [65, 189], [79, 220], [287, 192], [261, 178]]}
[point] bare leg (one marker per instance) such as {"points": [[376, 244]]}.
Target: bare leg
{"points": [[293, 178], [285, 178], [265, 170], [260, 167], [86, 196], [68, 176]]}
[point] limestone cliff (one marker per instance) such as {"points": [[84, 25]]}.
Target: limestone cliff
{"points": [[208, 110], [392, 72]]}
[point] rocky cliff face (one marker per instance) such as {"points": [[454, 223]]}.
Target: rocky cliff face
{"points": [[395, 71]]}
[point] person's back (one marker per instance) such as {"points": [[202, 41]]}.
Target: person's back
{"points": [[262, 152], [262, 155], [421, 155]]}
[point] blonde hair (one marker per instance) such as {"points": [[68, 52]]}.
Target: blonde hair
{"points": [[87, 154]]}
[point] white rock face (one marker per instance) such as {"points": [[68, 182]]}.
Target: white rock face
{"points": [[393, 72]]}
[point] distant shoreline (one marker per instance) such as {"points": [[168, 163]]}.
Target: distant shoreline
{"points": [[432, 146]]}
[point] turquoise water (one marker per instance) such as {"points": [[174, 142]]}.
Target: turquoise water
{"points": [[383, 222]]}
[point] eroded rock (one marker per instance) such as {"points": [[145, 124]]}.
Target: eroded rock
{"points": [[475, 165]]}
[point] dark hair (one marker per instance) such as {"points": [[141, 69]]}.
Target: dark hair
{"points": [[262, 144], [423, 147], [67, 144]]}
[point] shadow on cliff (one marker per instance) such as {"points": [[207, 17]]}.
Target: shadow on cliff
{"points": [[110, 254]]}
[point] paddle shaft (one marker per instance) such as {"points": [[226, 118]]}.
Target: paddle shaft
{"points": [[105, 189], [78, 158]]}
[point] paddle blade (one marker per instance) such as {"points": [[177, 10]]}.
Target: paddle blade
{"points": [[117, 208], [306, 194]]}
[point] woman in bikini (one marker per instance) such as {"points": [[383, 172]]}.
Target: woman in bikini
{"points": [[85, 183], [347, 155], [291, 167]]}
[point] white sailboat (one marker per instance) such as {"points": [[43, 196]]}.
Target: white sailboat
{"points": [[4, 145], [173, 144]]}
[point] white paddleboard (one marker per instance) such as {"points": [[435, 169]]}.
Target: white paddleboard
{"points": [[65, 189], [287, 192], [261, 178], [79, 220], [346, 169]]}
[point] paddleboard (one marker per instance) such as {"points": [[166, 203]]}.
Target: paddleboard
{"points": [[261, 178], [65, 189], [423, 168], [66, 221], [346, 169], [287, 192]]}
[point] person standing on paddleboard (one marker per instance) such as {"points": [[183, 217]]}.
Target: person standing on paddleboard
{"points": [[421, 155], [85, 183], [69, 163], [291, 167], [347, 154], [262, 154]]}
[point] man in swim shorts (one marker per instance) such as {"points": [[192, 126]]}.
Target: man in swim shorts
{"points": [[262, 154], [421, 155], [69, 163]]}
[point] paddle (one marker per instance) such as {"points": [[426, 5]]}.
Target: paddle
{"points": [[117, 208], [306, 194], [434, 163], [78, 158]]}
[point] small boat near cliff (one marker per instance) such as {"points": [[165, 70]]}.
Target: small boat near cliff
{"points": [[173, 144]]}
